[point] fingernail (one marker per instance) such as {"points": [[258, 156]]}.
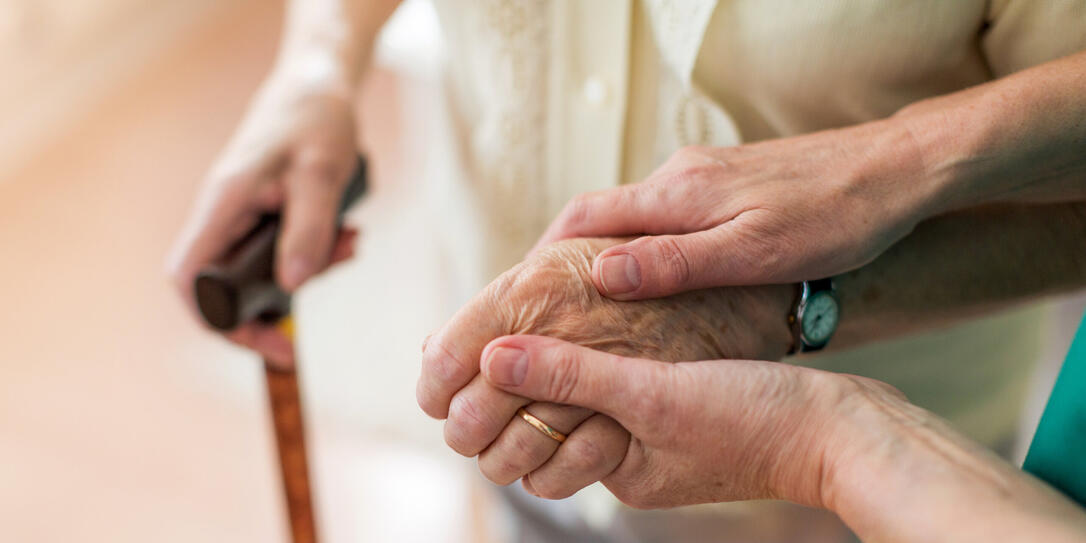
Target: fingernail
{"points": [[507, 366], [528, 486], [620, 274], [298, 270]]}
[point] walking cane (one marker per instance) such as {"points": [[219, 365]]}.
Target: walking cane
{"points": [[241, 287]]}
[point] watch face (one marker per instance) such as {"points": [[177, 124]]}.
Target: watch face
{"points": [[820, 317]]}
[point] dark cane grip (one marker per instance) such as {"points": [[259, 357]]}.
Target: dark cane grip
{"points": [[240, 286]]}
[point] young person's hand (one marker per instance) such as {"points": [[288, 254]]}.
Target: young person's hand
{"points": [[779, 211]]}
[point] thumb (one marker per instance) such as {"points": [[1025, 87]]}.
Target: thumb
{"points": [[547, 369], [656, 266], [314, 187]]}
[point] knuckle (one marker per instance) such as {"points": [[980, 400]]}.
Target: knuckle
{"points": [[674, 262], [426, 401], [464, 425], [544, 264], [525, 445], [269, 196], [585, 456], [227, 197], [439, 364], [319, 167], [540, 271], [692, 165], [512, 460], [584, 209], [516, 279], [577, 211], [307, 237], [234, 190], [563, 379], [550, 488], [497, 470]]}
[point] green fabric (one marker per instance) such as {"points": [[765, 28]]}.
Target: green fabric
{"points": [[1058, 452]]}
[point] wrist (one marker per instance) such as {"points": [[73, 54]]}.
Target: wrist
{"points": [[1015, 139], [314, 72], [814, 466], [978, 147], [910, 163], [937, 140], [330, 41], [867, 455], [894, 471]]}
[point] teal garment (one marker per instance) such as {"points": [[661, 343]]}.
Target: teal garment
{"points": [[1058, 452]]}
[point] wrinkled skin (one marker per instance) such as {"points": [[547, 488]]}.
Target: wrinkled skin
{"points": [[723, 430], [552, 294], [702, 432]]}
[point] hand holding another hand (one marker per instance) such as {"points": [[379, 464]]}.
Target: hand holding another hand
{"points": [[726, 430], [702, 432], [778, 211], [551, 294]]}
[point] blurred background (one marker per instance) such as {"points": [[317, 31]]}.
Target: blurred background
{"points": [[120, 419]]}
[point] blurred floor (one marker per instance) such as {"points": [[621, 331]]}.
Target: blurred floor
{"points": [[120, 420]]}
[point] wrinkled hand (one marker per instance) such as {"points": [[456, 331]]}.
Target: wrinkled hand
{"points": [[294, 152], [725, 430], [702, 432], [778, 211], [551, 294]]}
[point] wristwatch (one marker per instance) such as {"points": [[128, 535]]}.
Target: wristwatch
{"points": [[815, 316]]}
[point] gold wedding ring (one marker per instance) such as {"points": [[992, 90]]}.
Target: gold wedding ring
{"points": [[541, 426]]}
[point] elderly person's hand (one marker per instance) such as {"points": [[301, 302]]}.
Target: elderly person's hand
{"points": [[551, 294], [293, 153], [726, 430], [821, 204]]}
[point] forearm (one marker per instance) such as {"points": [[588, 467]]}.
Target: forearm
{"points": [[964, 265], [1018, 140], [900, 474], [329, 42], [1021, 138]]}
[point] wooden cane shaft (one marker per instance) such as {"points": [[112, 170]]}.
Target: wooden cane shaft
{"points": [[286, 409]]}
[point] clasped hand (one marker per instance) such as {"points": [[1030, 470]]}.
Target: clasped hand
{"points": [[552, 294]]}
